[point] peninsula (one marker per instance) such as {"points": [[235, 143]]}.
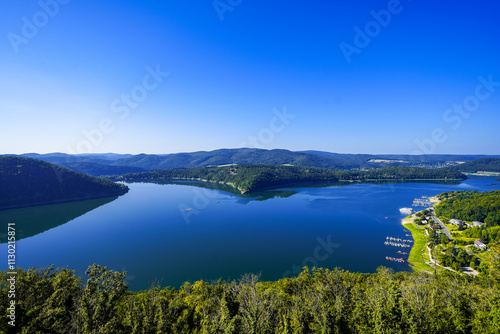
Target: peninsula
{"points": [[253, 178]]}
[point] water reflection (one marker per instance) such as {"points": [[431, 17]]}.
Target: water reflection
{"points": [[33, 220], [242, 198], [281, 192]]}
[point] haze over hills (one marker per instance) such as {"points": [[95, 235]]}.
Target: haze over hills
{"points": [[100, 164]]}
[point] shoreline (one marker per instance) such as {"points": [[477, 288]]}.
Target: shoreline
{"points": [[416, 257], [418, 253], [480, 173], [419, 242]]}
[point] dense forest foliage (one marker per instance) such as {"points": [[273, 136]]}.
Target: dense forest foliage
{"points": [[453, 257], [25, 182], [250, 178], [479, 165], [471, 206], [486, 234], [321, 301]]}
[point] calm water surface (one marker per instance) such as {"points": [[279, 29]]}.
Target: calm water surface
{"points": [[148, 233]]}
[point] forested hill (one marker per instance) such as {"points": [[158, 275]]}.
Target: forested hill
{"points": [[28, 182], [251, 178], [96, 169], [250, 156], [471, 206], [321, 301], [479, 165]]}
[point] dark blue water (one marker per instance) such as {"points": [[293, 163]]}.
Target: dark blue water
{"points": [[148, 233]]}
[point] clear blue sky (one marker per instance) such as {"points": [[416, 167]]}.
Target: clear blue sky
{"points": [[73, 67]]}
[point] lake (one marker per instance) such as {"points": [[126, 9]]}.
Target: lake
{"points": [[179, 232]]}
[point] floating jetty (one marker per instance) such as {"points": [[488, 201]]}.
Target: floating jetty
{"points": [[402, 253], [395, 259]]}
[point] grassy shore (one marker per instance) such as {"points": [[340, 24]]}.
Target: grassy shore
{"points": [[418, 254]]}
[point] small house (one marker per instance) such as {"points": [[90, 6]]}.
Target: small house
{"points": [[479, 245], [435, 227]]}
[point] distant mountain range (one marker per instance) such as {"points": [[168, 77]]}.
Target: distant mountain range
{"points": [[114, 164], [25, 181], [95, 169]]}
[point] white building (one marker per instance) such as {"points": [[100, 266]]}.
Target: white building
{"points": [[456, 222], [476, 224]]}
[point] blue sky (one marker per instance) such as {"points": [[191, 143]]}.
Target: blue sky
{"points": [[405, 76]]}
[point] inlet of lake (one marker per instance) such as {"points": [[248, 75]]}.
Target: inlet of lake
{"points": [[149, 233]]}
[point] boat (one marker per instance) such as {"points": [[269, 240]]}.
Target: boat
{"points": [[400, 260]]}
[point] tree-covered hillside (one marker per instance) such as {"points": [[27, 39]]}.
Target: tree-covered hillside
{"points": [[479, 165], [321, 301], [244, 156], [252, 156], [250, 178], [471, 206], [95, 169], [26, 182]]}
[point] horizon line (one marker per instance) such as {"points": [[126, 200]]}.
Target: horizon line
{"points": [[250, 148]]}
